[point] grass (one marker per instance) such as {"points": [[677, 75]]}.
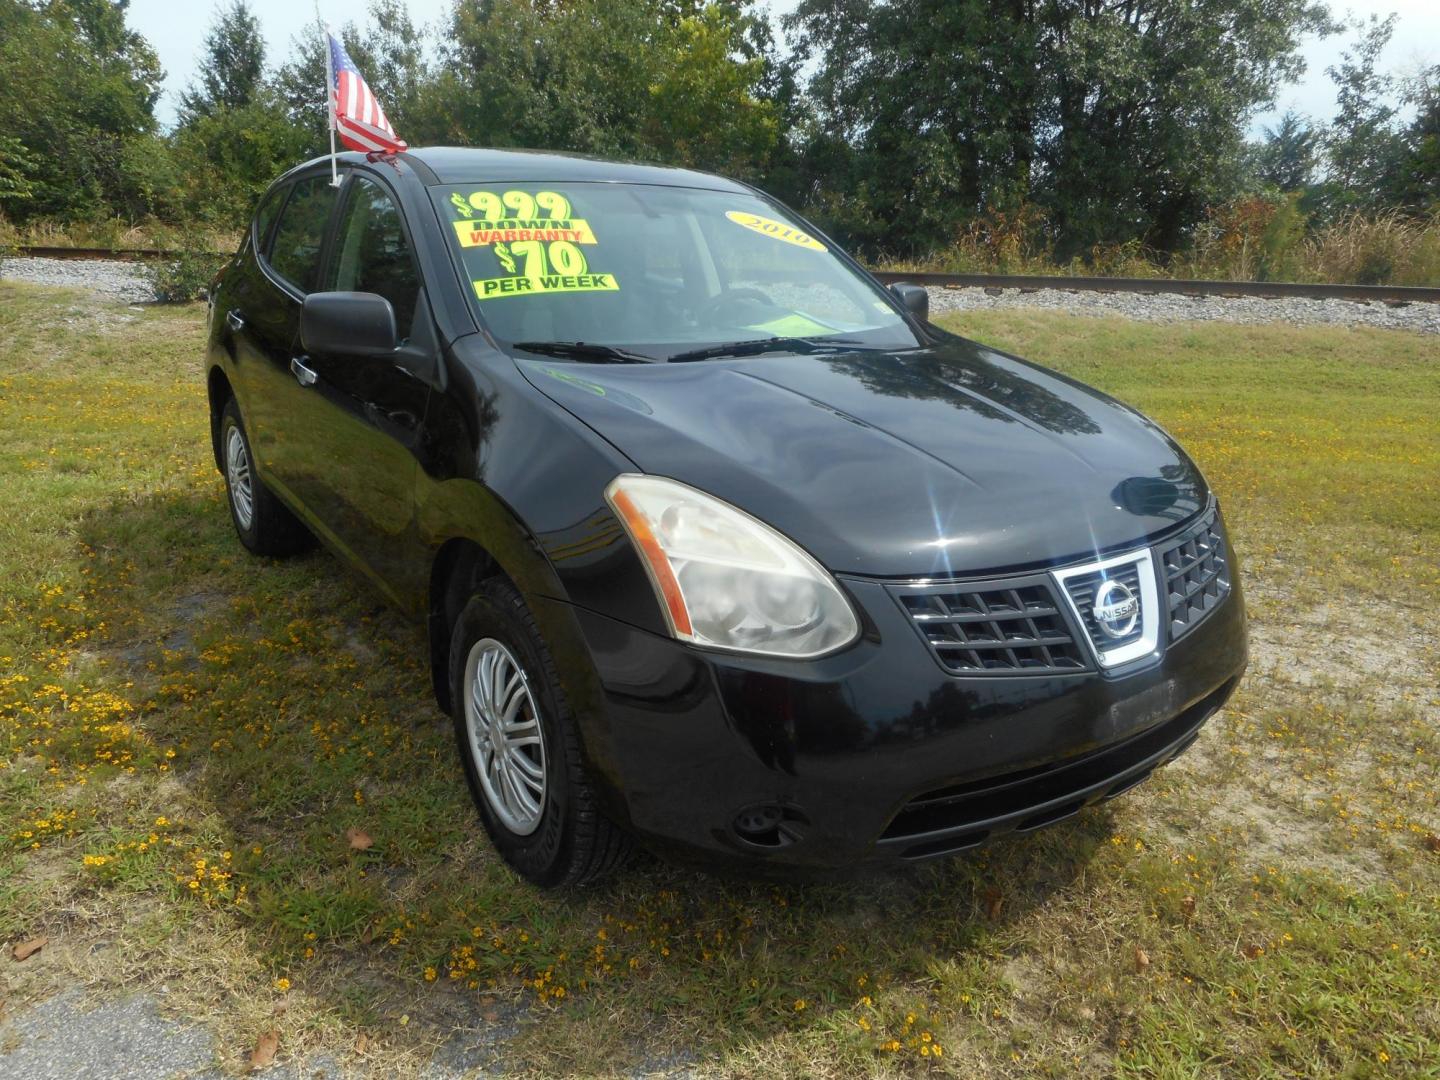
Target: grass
{"points": [[111, 232], [187, 734], [1249, 239]]}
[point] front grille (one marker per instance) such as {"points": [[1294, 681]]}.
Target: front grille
{"points": [[1083, 589], [994, 628], [1197, 574]]}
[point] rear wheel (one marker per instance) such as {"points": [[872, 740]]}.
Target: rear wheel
{"points": [[264, 524], [520, 747]]}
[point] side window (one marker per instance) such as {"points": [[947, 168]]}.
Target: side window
{"points": [[295, 251], [371, 254], [265, 216]]}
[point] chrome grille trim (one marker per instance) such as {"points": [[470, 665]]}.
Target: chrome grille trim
{"points": [[1134, 569]]}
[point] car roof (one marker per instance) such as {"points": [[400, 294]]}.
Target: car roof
{"points": [[468, 165]]}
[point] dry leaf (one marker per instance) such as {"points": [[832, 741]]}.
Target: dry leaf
{"points": [[1142, 961], [1253, 951], [367, 935], [359, 839], [27, 949], [994, 898], [1432, 843], [361, 1042], [264, 1052], [1187, 907]]}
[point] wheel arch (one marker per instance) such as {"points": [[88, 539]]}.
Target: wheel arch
{"points": [[455, 573], [219, 391]]}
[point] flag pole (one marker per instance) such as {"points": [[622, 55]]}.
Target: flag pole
{"points": [[329, 97]]}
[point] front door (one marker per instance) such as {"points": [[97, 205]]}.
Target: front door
{"points": [[367, 411]]}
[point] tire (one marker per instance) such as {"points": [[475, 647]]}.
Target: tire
{"points": [[264, 524], [557, 836]]}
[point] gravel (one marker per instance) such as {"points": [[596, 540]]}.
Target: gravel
{"points": [[124, 282], [1421, 318], [119, 281]]}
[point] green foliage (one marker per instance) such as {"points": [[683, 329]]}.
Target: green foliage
{"points": [[1362, 144], [75, 85], [16, 168], [232, 64], [1120, 119], [185, 277], [1416, 180], [626, 78], [1028, 134], [1287, 157]]}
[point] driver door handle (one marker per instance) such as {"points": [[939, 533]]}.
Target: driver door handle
{"points": [[303, 375]]}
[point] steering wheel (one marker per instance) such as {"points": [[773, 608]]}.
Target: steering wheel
{"points": [[717, 308]]}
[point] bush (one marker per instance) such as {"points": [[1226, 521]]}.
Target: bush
{"points": [[1369, 250], [185, 277]]}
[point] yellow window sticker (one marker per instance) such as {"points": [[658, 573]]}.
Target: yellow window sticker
{"points": [[494, 288], [480, 233], [776, 230], [535, 240]]}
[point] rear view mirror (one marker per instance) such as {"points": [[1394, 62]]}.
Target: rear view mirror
{"points": [[914, 298], [348, 324]]}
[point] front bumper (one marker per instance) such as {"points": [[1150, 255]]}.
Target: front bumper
{"points": [[877, 755]]}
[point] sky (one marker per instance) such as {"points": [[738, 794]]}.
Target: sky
{"points": [[177, 38]]}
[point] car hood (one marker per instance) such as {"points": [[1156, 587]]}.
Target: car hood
{"points": [[949, 460]]}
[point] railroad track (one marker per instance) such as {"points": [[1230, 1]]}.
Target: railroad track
{"points": [[1267, 290]]}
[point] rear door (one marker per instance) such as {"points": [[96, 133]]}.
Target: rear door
{"points": [[246, 302], [363, 418], [291, 268]]}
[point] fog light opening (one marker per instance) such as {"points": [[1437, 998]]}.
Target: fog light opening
{"points": [[770, 825]]}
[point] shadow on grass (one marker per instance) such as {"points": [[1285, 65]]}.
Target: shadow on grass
{"points": [[299, 711]]}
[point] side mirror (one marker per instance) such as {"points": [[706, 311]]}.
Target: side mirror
{"points": [[914, 298], [348, 324]]}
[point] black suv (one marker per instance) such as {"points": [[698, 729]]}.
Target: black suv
{"points": [[720, 543]]}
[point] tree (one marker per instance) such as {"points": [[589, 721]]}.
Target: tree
{"points": [[703, 108], [1362, 146], [235, 135], [232, 65], [1121, 118], [76, 87], [1416, 179], [1287, 157], [680, 81]]}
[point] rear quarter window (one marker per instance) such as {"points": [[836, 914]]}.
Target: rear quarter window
{"points": [[265, 217], [295, 250]]}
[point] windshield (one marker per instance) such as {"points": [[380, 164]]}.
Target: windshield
{"points": [[655, 271]]}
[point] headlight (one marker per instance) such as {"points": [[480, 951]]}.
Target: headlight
{"points": [[727, 580]]}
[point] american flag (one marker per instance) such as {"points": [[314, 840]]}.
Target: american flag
{"points": [[355, 115]]}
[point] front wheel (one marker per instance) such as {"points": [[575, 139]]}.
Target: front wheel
{"points": [[264, 524], [520, 747]]}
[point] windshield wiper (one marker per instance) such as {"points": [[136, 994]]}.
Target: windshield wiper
{"points": [[764, 345], [584, 350]]}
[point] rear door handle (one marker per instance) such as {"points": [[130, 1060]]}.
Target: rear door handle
{"points": [[235, 320], [303, 375]]}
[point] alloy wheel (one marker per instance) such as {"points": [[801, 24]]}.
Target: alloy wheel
{"points": [[237, 471], [506, 743]]}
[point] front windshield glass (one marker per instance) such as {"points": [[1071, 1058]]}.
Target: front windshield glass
{"points": [[657, 271]]}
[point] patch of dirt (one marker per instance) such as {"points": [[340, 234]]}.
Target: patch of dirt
{"points": [[1390, 651], [1375, 657]]}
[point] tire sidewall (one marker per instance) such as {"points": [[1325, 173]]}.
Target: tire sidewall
{"points": [[542, 855]]}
